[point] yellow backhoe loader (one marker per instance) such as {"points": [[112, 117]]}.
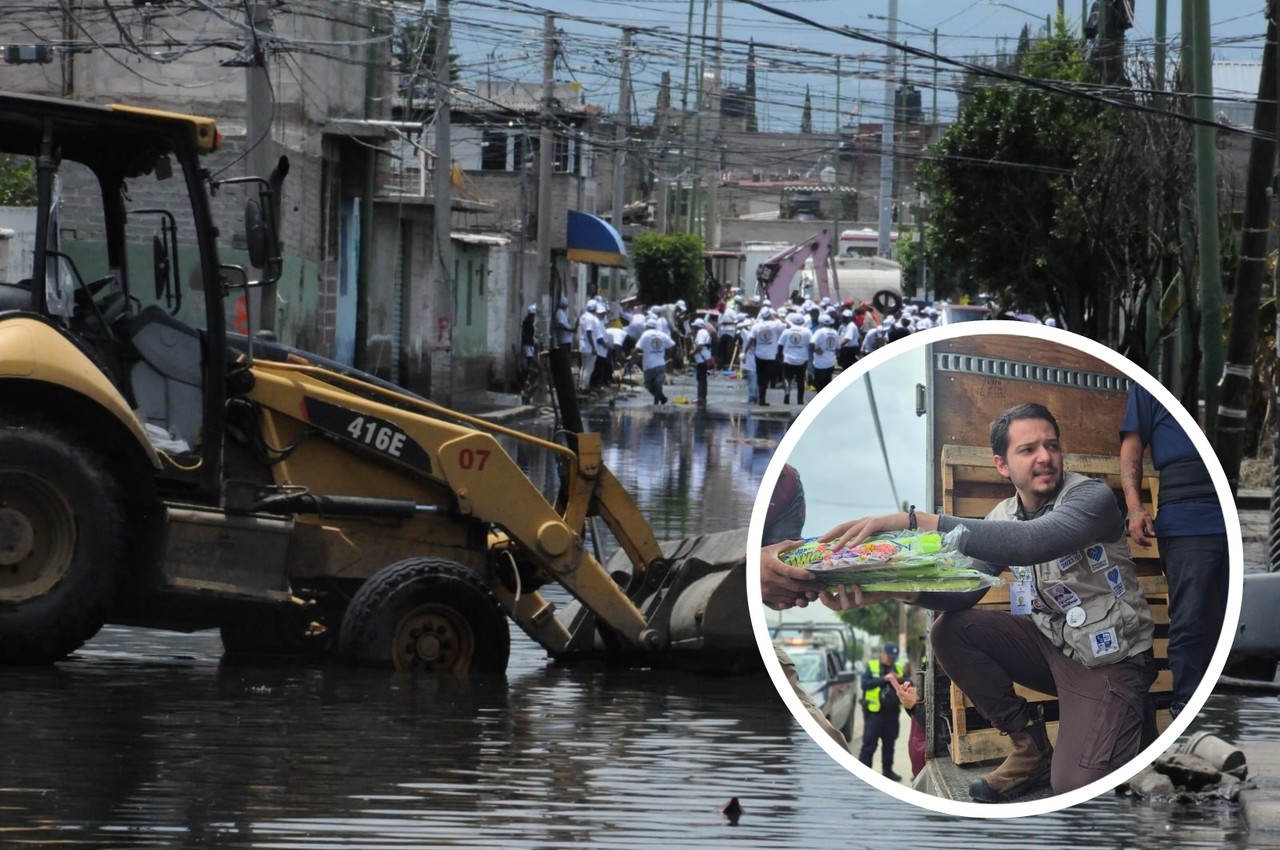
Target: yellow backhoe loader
{"points": [[157, 470]]}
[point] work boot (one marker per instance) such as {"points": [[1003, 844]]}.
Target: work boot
{"points": [[1026, 768]]}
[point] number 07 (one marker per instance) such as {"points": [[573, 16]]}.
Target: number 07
{"points": [[473, 458]]}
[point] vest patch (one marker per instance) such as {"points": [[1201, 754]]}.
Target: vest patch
{"points": [[1097, 556], [1069, 561], [1116, 581], [1062, 596], [1104, 642]]}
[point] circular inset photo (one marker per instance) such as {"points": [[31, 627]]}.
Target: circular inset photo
{"points": [[958, 553]]}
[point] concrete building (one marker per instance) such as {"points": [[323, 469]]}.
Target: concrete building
{"points": [[362, 281]]}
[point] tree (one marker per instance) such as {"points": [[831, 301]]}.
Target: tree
{"points": [[883, 619], [668, 267], [1055, 202], [17, 182]]}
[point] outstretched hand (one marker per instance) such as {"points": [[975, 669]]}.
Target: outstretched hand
{"points": [[854, 531], [782, 585]]}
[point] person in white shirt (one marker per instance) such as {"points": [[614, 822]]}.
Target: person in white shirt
{"points": [[763, 342], [653, 346], [748, 360], [795, 357], [604, 348], [562, 326], [826, 342], [727, 327], [587, 333], [850, 340], [702, 358], [635, 327]]}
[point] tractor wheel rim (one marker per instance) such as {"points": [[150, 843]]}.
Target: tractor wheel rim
{"points": [[433, 638], [37, 536]]}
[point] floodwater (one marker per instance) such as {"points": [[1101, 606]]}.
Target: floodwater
{"points": [[143, 739]]}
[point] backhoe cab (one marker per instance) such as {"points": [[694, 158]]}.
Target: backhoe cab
{"points": [[156, 470]]}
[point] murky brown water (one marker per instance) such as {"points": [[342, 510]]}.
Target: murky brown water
{"points": [[143, 739]]}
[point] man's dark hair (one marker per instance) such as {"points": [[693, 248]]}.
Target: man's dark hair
{"points": [[1000, 427]]}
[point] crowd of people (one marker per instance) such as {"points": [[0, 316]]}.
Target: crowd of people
{"points": [[796, 347]]}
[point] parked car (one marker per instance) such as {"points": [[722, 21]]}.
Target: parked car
{"points": [[949, 314], [831, 682]]}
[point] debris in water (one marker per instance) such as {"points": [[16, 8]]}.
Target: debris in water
{"points": [[731, 810]]}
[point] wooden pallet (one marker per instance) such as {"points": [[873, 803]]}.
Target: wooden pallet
{"points": [[971, 488]]}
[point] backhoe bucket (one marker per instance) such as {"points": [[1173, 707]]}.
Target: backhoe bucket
{"points": [[695, 599]]}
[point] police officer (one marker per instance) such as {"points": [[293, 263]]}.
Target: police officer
{"points": [[880, 705]]}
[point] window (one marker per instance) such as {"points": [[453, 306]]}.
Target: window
{"points": [[493, 153]]}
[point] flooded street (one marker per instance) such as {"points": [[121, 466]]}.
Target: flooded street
{"points": [[143, 739]]}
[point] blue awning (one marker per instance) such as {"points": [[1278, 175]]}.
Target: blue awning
{"points": [[591, 239]]}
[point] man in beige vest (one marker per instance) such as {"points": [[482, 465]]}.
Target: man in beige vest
{"points": [[1078, 625]]}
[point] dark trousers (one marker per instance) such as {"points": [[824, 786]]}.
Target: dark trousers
{"points": [[700, 373], [1196, 569], [766, 371], [796, 374], [1106, 715], [725, 352], [879, 727], [822, 377]]}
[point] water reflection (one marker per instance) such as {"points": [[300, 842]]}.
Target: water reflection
{"points": [[144, 739]]}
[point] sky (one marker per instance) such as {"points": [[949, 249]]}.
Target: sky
{"points": [[839, 455], [502, 38]]}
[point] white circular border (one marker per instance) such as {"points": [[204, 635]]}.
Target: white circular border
{"points": [[1231, 617]]}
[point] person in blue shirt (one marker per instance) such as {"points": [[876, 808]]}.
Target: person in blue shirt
{"points": [[1191, 530]]}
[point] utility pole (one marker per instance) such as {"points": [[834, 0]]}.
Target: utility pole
{"points": [[886, 139], [442, 187], [837, 207], [620, 155], [695, 190], [664, 181], [1207, 185], [546, 163], [1159, 356], [713, 183], [1242, 341], [262, 155], [682, 200], [69, 12], [364, 268]]}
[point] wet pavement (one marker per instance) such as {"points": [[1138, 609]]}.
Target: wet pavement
{"points": [[145, 739]]}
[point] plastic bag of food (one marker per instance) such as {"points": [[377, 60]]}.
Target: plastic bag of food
{"points": [[902, 561]]}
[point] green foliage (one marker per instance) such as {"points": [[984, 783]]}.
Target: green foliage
{"points": [[1048, 201], [883, 619], [668, 267], [906, 252], [17, 182]]}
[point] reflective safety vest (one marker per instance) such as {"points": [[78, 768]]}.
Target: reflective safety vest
{"points": [[871, 698]]}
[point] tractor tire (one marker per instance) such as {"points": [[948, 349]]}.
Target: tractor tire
{"points": [[886, 301], [426, 614], [63, 535]]}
